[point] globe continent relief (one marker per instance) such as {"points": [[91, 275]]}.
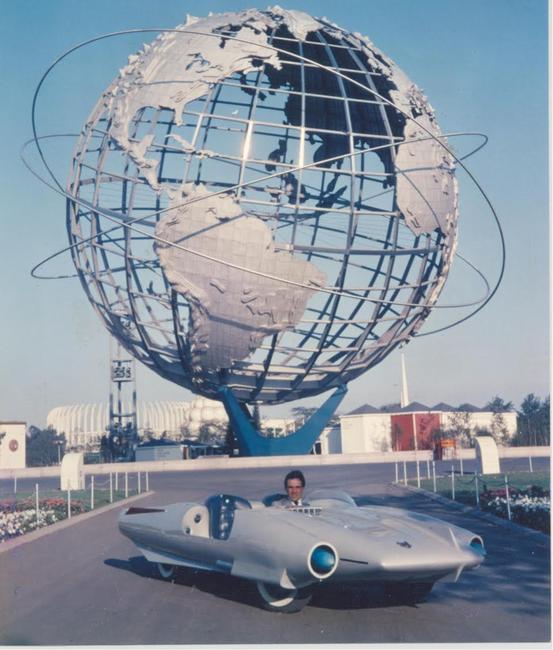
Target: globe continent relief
{"points": [[262, 200]]}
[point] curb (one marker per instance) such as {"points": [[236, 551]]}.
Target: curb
{"points": [[475, 512], [59, 525]]}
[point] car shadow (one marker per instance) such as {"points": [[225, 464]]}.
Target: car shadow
{"points": [[325, 596], [214, 583], [371, 596]]}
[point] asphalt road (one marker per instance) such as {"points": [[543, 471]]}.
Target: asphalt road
{"points": [[87, 584]]}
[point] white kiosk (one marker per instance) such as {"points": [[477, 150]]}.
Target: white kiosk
{"points": [[12, 445], [487, 456], [71, 472]]}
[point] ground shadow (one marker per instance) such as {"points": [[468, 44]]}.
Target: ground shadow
{"points": [[325, 595], [216, 584], [362, 596]]}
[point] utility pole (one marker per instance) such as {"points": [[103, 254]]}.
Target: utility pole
{"points": [[404, 398]]}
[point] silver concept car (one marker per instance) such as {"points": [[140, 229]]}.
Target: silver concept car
{"points": [[287, 551]]}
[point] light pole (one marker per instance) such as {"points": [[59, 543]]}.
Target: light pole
{"points": [[59, 443]]}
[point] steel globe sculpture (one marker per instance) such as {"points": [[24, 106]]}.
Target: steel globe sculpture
{"points": [[262, 205], [293, 222]]}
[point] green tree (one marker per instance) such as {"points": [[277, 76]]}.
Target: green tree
{"points": [[481, 432], [231, 442], [546, 421], [105, 449], [149, 434], [42, 446], [533, 421], [212, 433], [460, 427], [498, 427], [256, 416], [302, 414], [185, 433], [439, 433], [498, 405]]}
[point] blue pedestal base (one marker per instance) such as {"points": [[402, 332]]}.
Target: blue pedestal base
{"points": [[252, 443]]}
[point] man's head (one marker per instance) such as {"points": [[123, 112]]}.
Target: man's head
{"points": [[294, 483]]}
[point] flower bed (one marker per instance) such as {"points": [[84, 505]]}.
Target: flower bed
{"points": [[19, 517], [529, 495], [530, 511]]}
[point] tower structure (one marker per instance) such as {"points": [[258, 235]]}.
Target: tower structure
{"points": [[123, 425]]}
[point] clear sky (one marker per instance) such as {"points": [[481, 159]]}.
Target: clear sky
{"points": [[483, 66]]}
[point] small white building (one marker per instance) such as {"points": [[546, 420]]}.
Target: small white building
{"points": [[330, 441], [12, 445], [365, 432], [367, 429]]}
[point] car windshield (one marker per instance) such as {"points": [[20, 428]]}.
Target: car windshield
{"points": [[327, 494]]}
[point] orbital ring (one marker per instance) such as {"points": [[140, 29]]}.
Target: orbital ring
{"points": [[316, 64], [130, 225]]}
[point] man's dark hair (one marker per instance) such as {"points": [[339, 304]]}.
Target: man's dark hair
{"points": [[295, 473]]}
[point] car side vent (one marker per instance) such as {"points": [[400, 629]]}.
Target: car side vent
{"points": [[142, 511]]}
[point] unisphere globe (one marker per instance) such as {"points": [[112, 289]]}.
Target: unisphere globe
{"points": [[264, 201]]}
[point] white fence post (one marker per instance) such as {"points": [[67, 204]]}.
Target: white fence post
{"points": [[92, 492], [69, 503], [110, 487], [36, 506], [434, 474], [139, 488], [418, 474], [147, 482], [477, 488], [397, 472], [15, 484], [126, 485], [404, 472], [530, 462], [452, 483], [116, 481], [427, 468], [507, 497]]}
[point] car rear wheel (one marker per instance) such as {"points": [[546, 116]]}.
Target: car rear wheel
{"points": [[408, 592], [277, 599], [166, 571]]}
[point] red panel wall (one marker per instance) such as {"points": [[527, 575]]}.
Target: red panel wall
{"points": [[402, 430], [426, 423]]}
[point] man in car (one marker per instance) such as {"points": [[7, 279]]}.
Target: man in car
{"points": [[294, 484]]}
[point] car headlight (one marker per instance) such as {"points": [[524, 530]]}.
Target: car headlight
{"points": [[323, 560], [477, 545]]}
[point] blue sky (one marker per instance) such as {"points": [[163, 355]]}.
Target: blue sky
{"points": [[483, 66]]}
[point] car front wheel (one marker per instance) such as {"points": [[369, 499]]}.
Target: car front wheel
{"points": [[277, 599], [166, 571]]}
